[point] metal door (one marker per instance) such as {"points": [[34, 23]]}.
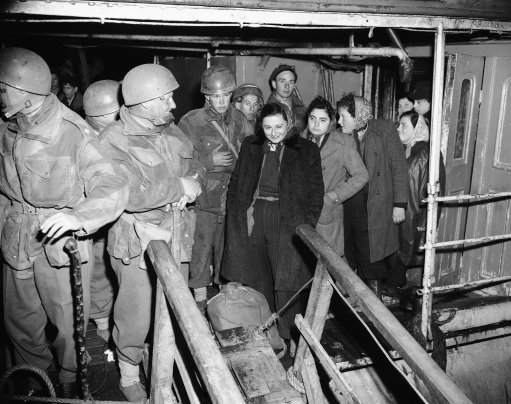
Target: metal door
{"points": [[461, 110], [492, 173]]}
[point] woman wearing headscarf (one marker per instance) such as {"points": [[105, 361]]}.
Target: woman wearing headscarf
{"points": [[277, 185], [344, 173], [371, 216], [414, 134]]}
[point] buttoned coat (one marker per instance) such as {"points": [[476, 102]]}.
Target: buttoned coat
{"points": [[386, 164], [344, 174], [301, 192]]}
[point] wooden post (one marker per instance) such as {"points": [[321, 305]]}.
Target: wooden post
{"points": [[317, 310], [164, 347], [212, 366], [315, 315]]}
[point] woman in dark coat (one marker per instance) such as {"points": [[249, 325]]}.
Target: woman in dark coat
{"points": [[414, 134], [371, 216], [277, 185]]}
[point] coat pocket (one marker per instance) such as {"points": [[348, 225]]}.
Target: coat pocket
{"points": [[49, 179], [15, 242], [57, 256]]}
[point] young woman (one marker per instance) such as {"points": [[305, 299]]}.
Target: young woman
{"points": [[371, 216], [277, 185], [414, 134], [344, 173]]}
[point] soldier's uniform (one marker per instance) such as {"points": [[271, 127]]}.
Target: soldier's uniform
{"points": [[101, 103], [203, 127], [156, 159], [50, 163]]}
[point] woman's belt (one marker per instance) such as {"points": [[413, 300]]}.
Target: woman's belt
{"points": [[268, 198]]}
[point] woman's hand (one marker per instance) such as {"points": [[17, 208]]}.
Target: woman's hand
{"points": [[398, 215]]}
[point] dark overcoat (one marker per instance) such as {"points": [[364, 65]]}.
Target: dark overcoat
{"points": [[412, 231], [301, 192], [388, 186]]}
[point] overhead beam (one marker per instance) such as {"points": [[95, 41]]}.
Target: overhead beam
{"points": [[187, 14]]}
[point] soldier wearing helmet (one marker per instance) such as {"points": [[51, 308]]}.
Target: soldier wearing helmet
{"points": [[248, 98], [216, 131], [101, 103], [57, 182], [283, 84], [159, 161]]}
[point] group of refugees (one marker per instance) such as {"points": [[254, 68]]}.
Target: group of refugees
{"points": [[238, 174]]}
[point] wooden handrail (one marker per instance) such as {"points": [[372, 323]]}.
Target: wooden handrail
{"points": [[212, 366], [439, 385]]}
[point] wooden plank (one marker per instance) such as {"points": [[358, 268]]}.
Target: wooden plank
{"points": [[164, 346], [304, 14], [439, 384], [316, 311], [212, 366], [341, 386]]}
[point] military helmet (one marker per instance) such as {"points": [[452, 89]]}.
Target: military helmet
{"points": [[247, 89], [217, 80], [25, 70], [102, 98], [147, 82]]}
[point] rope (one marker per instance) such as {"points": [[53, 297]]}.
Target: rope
{"points": [[275, 316], [41, 373]]}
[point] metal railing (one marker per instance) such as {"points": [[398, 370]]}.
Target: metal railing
{"points": [[332, 272]]}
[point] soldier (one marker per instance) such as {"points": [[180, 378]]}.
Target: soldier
{"points": [[216, 131], [56, 181], [101, 105], [283, 83], [159, 161], [248, 98]]}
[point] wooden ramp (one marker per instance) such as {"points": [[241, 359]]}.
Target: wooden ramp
{"points": [[260, 374]]}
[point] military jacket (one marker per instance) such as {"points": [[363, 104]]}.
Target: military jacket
{"points": [[153, 159], [48, 164], [197, 125]]}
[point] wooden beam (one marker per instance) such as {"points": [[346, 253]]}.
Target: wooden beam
{"points": [[285, 14], [212, 366], [442, 388], [348, 395]]}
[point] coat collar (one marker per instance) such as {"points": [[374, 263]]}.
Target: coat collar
{"points": [[291, 140], [42, 125], [132, 127]]}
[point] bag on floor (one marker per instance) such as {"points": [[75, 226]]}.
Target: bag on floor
{"points": [[240, 306]]}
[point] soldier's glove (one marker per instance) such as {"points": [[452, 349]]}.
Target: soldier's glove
{"points": [[191, 188]]}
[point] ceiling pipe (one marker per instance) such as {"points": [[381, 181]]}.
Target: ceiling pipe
{"points": [[405, 73]]}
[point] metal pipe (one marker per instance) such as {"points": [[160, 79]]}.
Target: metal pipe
{"points": [[480, 284], [472, 197], [349, 51], [477, 240], [433, 183]]}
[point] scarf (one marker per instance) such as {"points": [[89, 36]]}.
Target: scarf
{"points": [[420, 134]]}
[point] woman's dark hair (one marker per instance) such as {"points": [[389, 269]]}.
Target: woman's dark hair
{"points": [[412, 115], [320, 103], [347, 102], [272, 108]]}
